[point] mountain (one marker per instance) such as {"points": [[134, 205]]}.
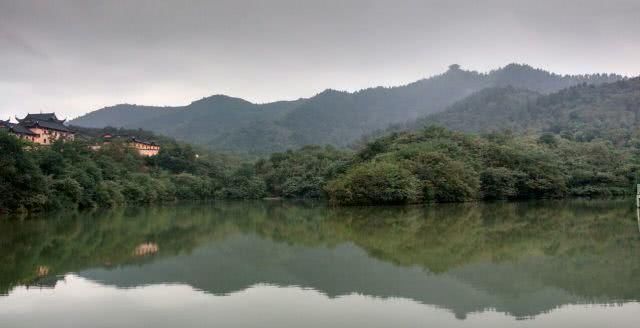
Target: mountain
{"points": [[330, 117], [123, 115], [609, 111], [496, 108]]}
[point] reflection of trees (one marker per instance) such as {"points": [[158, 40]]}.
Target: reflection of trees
{"points": [[586, 248]]}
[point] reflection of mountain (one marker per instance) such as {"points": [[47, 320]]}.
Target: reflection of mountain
{"points": [[243, 261], [522, 259]]}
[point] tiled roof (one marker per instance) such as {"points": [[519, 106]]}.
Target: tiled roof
{"points": [[45, 124], [150, 143], [42, 117], [17, 129], [22, 130]]}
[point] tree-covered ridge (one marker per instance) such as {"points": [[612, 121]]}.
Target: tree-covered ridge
{"points": [[70, 174], [430, 165], [584, 112], [439, 165], [331, 117], [491, 109]]}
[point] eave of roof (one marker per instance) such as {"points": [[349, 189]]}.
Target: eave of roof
{"points": [[47, 125], [144, 142], [18, 129], [43, 117]]}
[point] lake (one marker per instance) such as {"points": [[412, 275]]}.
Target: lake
{"points": [[282, 264]]}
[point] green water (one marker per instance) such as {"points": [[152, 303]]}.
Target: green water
{"points": [[273, 264]]}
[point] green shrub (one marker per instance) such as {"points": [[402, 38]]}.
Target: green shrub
{"points": [[500, 183], [109, 194], [244, 184], [444, 179], [374, 183], [189, 186], [65, 193]]}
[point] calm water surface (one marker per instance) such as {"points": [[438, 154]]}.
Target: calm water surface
{"points": [[548, 264]]}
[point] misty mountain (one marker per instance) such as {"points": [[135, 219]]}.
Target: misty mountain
{"points": [[331, 117], [490, 109], [584, 112]]}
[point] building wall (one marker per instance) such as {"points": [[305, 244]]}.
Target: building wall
{"points": [[47, 137], [27, 137], [144, 149], [148, 152], [24, 136]]}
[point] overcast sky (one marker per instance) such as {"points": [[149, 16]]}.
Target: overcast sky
{"points": [[72, 57]]}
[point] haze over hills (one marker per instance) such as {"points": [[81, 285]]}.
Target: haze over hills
{"points": [[331, 117], [584, 112]]}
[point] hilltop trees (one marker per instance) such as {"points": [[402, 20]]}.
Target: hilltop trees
{"points": [[437, 165], [583, 113]]}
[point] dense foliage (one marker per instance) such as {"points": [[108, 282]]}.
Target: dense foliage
{"points": [[301, 173], [444, 166], [70, 175], [331, 117], [431, 165]]}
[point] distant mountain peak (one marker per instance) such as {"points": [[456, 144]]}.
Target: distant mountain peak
{"points": [[331, 117], [219, 98], [518, 66], [328, 92]]}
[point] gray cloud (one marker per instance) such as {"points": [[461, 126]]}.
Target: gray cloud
{"points": [[75, 56]]}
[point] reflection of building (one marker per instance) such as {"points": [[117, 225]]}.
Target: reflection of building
{"points": [[40, 128], [144, 148], [146, 249], [42, 271]]}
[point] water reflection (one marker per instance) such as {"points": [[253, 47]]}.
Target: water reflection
{"points": [[179, 305], [508, 261]]}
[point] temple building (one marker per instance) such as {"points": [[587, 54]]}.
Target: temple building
{"points": [[144, 148], [46, 128], [18, 130], [43, 129]]}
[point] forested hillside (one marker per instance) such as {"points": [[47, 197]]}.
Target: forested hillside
{"points": [[430, 165], [499, 108], [583, 112], [72, 175], [438, 165], [331, 117]]}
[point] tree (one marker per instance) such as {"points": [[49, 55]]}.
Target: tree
{"points": [[22, 185], [548, 139], [500, 183], [444, 179], [374, 183]]}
